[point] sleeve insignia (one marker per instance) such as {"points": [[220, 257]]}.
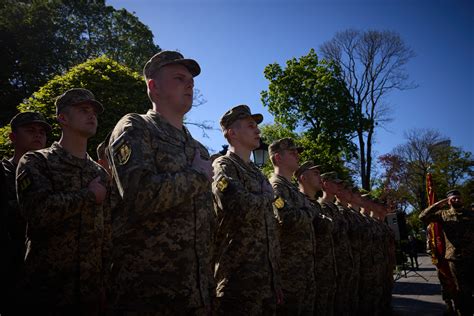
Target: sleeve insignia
{"points": [[123, 153], [23, 181], [222, 184], [279, 203]]}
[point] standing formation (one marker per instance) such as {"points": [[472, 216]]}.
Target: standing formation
{"points": [[158, 229]]}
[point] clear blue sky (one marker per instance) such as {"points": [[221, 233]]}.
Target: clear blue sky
{"points": [[233, 41]]}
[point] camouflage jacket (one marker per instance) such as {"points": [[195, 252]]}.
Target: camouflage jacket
{"points": [[247, 249], [458, 227], [296, 232], [66, 229], [325, 257], [342, 246], [16, 224], [163, 246]]}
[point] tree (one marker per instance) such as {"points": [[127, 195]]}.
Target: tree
{"points": [[44, 38], [404, 179], [307, 97], [372, 66], [117, 87]]}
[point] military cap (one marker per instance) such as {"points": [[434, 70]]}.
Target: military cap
{"points": [[331, 176], [286, 143], [367, 197], [77, 96], [168, 57], [237, 113], [24, 118], [307, 165], [453, 193]]}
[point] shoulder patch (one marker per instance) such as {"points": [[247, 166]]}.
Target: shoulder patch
{"points": [[222, 184], [279, 203], [23, 181], [121, 150]]}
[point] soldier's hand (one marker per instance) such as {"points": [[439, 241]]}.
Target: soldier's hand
{"points": [[98, 189], [203, 165]]}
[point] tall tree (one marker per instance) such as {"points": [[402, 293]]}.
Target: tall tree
{"points": [[44, 38], [372, 65], [307, 97]]}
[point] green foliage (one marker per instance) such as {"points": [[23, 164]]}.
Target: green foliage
{"points": [[117, 87], [308, 96], [44, 38]]}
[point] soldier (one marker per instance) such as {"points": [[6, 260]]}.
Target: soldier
{"points": [[325, 262], [28, 132], [295, 218], [458, 226], [60, 193], [342, 250], [246, 266], [355, 231], [162, 251]]}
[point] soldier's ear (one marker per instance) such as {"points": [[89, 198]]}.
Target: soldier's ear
{"points": [[12, 137], [62, 118]]}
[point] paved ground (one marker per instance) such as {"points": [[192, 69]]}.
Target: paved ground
{"points": [[419, 293]]}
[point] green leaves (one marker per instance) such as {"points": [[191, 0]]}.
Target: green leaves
{"points": [[307, 96], [117, 87], [44, 38]]}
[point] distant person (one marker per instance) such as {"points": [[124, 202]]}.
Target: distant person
{"points": [[458, 226], [412, 250]]}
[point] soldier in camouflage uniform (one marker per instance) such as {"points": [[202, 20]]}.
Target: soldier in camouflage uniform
{"points": [[325, 262], [355, 232], [28, 132], [61, 194], [296, 233], [162, 250], [343, 252], [458, 226], [247, 249]]}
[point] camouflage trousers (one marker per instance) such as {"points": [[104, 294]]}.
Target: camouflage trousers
{"points": [[464, 279], [324, 298]]}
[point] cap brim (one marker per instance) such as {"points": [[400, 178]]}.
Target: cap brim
{"points": [[99, 108], [258, 118], [42, 123], [190, 64]]}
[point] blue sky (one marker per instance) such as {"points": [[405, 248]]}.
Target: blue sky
{"points": [[233, 41]]}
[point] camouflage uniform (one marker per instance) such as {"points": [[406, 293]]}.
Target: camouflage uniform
{"points": [[344, 259], [458, 226], [163, 238], [247, 249], [15, 224], [297, 243], [325, 262], [65, 231]]}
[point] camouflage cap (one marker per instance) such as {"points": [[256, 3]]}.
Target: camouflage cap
{"points": [[307, 165], [331, 176], [77, 96], [286, 143], [453, 192], [24, 118], [167, 57], [237, 113]]}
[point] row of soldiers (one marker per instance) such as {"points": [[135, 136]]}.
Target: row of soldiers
{"points": [[161, 229]]}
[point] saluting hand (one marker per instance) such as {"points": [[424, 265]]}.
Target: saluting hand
{"points": [[98, 189]]}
